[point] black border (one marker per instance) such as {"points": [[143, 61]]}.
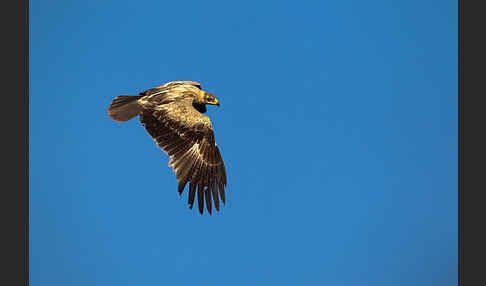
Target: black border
{"points": [[27, 94], [472, 109], [15, 132]]}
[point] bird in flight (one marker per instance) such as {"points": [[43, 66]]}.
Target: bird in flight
{"points": [[172, 114]]}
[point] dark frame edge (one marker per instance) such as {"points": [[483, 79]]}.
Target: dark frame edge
{"points": [[15, 144], [27, 92]]}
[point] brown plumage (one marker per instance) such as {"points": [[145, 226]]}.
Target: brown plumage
{"points": [[172, 115]]}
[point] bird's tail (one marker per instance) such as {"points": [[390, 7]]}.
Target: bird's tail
{"points": [[124, 108]]}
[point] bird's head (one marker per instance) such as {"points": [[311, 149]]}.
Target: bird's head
{"points": [[208, 98]]}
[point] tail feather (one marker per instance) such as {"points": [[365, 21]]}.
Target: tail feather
{"points": [[124, 108]]}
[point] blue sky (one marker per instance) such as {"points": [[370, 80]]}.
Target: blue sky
{"points": [[338, 127]]}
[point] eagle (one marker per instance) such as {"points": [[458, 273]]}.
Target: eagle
{"points": [[172, 115]]}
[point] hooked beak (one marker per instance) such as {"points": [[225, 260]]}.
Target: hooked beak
{"points": [[215, 102]]}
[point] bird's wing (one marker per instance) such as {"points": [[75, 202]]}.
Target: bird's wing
{"points": [[188, 138], [168, 86]]}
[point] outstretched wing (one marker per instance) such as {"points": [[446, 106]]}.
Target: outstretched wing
{"points": [[187, 137], [169, 86]]}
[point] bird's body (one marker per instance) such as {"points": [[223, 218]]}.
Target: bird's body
{"points": [[172, 115]]}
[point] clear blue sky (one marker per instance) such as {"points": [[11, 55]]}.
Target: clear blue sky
{"points": [[338, 127]]}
